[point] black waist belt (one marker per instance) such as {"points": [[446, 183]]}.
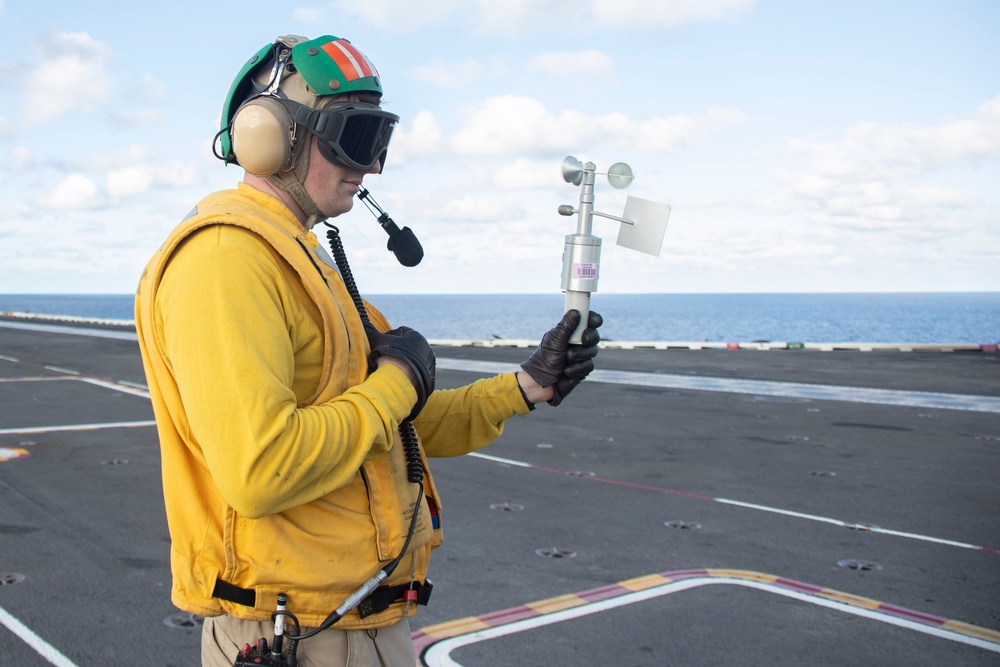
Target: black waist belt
{"points": [[378, 601], [383, 596], [226, 591]]}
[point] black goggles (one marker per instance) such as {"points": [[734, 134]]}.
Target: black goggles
{"points": [[352, 134]]}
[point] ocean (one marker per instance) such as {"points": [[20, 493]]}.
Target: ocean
{"points": [[959, 318]]}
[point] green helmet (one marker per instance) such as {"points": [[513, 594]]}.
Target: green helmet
{"points": [[301, 84], [327, 65]]}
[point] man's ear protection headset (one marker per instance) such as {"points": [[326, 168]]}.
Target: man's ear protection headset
{"points": [[260, 133]]}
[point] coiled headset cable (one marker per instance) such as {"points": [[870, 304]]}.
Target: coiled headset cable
{"points": [[414, 474]]}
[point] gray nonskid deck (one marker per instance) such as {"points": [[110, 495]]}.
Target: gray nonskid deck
{"points": [[681, 507]]}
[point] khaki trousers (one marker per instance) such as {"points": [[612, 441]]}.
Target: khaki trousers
{"points": [[222, 637]]}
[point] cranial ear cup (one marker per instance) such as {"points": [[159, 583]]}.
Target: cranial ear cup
{"points": [[262, 136]]}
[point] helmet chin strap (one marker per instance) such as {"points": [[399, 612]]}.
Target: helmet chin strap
{"points": [[292, 182]]}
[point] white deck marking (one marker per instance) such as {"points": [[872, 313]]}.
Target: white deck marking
{"points": [[40, 646], [916, 399], [72, 331], [25, 430], [821, 392], [753, 506], [439, 653]]}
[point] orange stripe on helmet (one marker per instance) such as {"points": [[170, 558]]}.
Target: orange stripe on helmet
{"points": [[352, 62]]}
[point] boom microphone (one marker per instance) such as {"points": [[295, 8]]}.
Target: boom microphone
{"points": [[404, 245], [402, 242]]}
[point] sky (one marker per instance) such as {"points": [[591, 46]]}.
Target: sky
{"points": [[803, 146]]}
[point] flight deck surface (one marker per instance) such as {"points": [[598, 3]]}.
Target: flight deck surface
{"points": [[682, 507]]}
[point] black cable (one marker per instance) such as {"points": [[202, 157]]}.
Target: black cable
{"points": [[340, 257], [411, 446], [411, 450], [372, 583], [414, 472]]}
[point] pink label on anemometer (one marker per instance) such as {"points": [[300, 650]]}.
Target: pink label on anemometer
{"points": [[585, 271]]}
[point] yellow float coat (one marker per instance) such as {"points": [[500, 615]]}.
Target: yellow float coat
{"points": [[282, 466]]}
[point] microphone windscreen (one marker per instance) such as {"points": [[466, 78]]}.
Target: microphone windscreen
{"points": [[405, 246]]}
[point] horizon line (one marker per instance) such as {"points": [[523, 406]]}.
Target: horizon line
{"points": [[560, 294]]}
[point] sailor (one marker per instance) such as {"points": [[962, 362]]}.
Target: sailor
{"points": [[279, 392]]}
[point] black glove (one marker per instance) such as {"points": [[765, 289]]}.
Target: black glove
{"points": [[409, 346], [559, 364]]}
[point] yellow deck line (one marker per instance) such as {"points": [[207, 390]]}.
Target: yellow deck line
{"points": [[555, 604], [642, 583]]}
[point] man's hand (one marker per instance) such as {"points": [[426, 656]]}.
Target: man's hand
{"points": [[557, 364], [408, 346]]}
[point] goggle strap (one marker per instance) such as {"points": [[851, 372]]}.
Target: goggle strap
{"points": [[318, 123]]}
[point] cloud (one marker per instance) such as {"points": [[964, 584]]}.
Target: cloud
{"points": [[69, 75], [402, 15], [514, 125], [877, 149], [590, 63], [473, 208], [423, 136], [528, 174], [309, 15], [176, 174], [132, 155], [20, 158], [510, 16], [129, 181], [74, 192], [124, 174], [893, 177], [136, 179], [672, 14], [447, 73], [516, 15], [890, 204], [151, 87], [141, 118]]}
